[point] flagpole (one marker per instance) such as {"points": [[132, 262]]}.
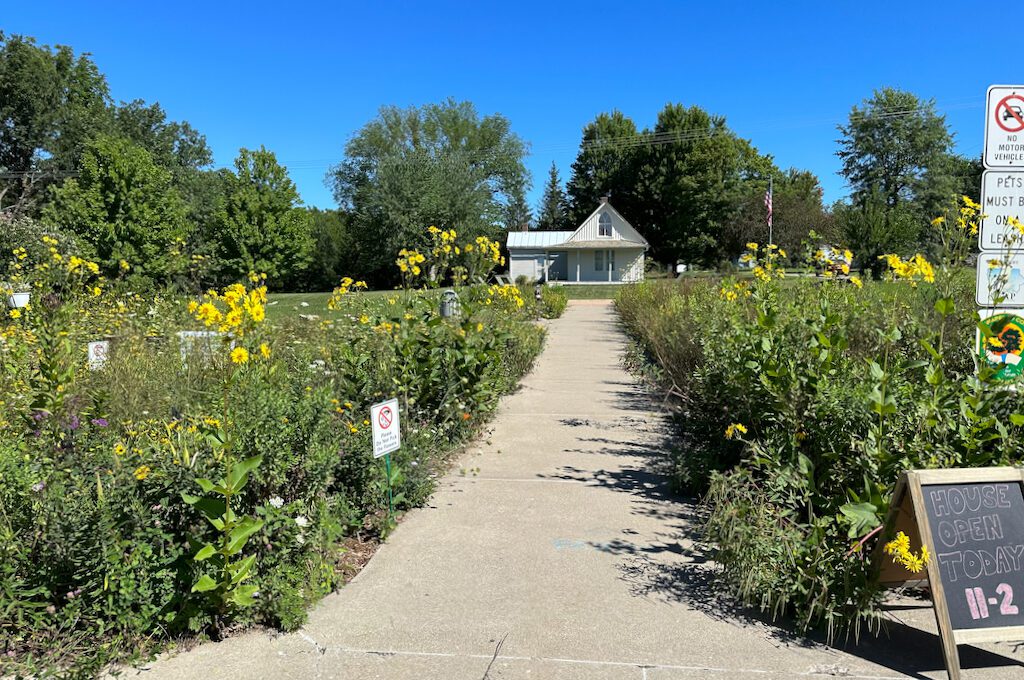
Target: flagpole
{"points": [[771, 216]]}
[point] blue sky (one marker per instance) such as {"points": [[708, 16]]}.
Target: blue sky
{"points": [[301, 78]]}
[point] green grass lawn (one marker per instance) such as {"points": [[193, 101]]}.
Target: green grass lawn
{"points": [[596, 292]]}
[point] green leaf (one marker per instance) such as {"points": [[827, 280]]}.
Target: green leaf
{"points": [[945, 306], [204, 584], [1017, 419], [242, 596], [240, 570], [206, 552], [241, 533], [240, 473], [861, 515], [205, 484]]}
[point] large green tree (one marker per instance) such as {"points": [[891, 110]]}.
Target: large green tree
{"points": [[552, 211], [797, 210], [124, 206], [681, 183], [174, 145], [606, 164], [439, 164], [897, 145], [261, 227], [51, 103], [334, 252]]}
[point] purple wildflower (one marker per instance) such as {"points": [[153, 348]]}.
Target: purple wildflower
{"points": [[99, 422], [74, 422], [38, 486]]}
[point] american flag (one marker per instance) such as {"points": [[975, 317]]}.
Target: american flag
{"points": [[768, 204]]}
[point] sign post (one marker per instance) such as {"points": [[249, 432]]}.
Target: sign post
{"points": [[387, 437], [999, 289], [972, 522]]}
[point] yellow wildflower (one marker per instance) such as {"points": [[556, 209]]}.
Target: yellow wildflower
{"points": [[265, 350], [733, 429], [855, 280], [142, 472], [899, 549], [239, 355]]}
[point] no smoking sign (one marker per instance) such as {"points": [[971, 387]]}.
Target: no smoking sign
{"points": [[1004, 127], [387, 431]]}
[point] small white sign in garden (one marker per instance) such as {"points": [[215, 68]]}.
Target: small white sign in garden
{"points": [[99, 350], [387, 432]]}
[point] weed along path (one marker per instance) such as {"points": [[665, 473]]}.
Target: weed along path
{"points": [[554, 549]]}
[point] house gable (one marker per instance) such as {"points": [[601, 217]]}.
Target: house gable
{"points": [[621, 229]]}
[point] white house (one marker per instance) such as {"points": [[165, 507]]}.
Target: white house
{"points": [[604, 249]]}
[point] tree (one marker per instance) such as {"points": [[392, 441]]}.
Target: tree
{"points": [[332, 243], [173, 145], [553, 203], [51, 104], [261, 227], [606, 164], [681, 184], [123, 206], [872, 228], [439, 164], [898, 145], [797, 210]]}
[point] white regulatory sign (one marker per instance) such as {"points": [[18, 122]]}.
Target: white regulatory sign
{"points": [[98, 351], [1004, 127], [387, 433], [1002, 197], [1002, 275]]}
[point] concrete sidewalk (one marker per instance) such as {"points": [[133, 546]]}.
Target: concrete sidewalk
{"points": [[565, 556]]}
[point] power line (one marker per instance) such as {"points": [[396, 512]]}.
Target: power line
{"points": [[644, 139]]}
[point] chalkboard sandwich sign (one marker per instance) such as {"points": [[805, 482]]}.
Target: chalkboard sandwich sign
{"points": [[970, 523]]}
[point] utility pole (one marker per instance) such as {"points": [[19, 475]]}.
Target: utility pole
{"points": [[770, 200]]}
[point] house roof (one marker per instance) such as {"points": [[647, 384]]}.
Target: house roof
{"points": [[536, 239], [604, 243]]}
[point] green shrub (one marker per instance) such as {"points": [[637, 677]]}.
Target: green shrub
{"points": [[105, 510], [801, 401]]}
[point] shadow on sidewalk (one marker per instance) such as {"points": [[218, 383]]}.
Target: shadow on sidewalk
{"points": [[674, 566]]}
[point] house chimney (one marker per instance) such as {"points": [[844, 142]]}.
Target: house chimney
{"points": [[604, 199]]}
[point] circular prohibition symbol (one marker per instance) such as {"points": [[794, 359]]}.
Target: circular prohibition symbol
{"points": [[385, 417], [1010, 113]]}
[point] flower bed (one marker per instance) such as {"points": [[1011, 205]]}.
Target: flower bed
{"points": [[180, 491], [802, 400]]}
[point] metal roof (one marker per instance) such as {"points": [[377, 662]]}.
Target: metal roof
{"points": [[537, 239], [606, 243]]}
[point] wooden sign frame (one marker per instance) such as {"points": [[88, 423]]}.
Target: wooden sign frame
{"points": [[907, 513]]}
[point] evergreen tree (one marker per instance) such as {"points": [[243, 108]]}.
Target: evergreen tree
{"points": [[552, 209]]}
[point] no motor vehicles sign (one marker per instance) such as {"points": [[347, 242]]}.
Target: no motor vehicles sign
{"points": [[387, 433], [1004, 127]]}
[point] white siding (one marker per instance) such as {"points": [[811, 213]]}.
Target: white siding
{"points": [[629, 266], [528, 263], [621, 229]]}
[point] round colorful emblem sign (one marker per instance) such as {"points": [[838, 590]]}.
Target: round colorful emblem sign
{"points": [[1003, 350]]}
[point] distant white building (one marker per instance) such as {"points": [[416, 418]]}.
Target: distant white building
{"points": [[604, 249]]}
